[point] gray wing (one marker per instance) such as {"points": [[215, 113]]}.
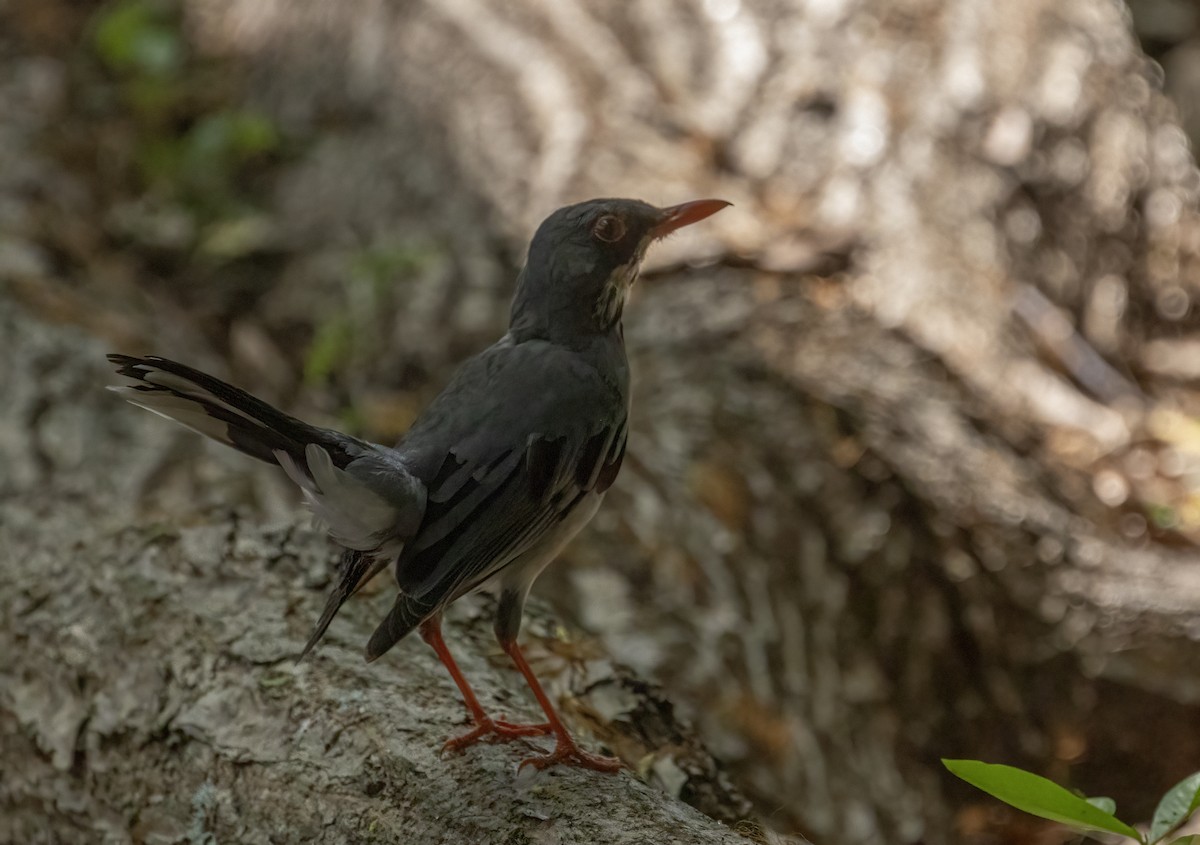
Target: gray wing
{"points": [[510, 448]]}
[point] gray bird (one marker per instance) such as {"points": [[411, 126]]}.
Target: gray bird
{"points": [[501, 470]]}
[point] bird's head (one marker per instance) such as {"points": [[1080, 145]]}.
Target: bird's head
{"points": [[585, 257]]}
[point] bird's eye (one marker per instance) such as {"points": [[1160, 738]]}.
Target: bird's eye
{"points": [[609, 229]]}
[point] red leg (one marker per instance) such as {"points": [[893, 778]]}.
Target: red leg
{"points": [[565, 750], [485, 726]]}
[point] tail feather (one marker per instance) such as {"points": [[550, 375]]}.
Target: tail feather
{"points": [[364, 493], [225, 413], [357, 516], [355, 570], [406, 614]]}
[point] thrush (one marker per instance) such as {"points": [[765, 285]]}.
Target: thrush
{"points": [[498, 473]]}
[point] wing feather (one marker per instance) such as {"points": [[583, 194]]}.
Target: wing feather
{"points": [[517, 440]]}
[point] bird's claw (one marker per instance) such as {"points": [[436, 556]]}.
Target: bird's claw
{"points": [[568, 753], [494, 730]]}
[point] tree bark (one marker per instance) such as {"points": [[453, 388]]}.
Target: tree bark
{"points": [[149, 691], [914, 469]]}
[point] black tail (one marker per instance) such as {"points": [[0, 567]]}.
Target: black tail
{"points": [[406, 614], [372, 524], [225, 413], [355, 569]]}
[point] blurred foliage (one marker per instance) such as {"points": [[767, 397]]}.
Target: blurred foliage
{"points": [[347, 334], [141, 38], [190, 148], [186, 167]]}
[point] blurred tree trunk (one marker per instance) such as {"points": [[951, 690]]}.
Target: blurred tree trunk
{"points": [[916, 465]]}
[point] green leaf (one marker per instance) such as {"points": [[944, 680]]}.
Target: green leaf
{"points": [[1163, 516], [332, 345], [251, 133], [137, 36], [158, 161], [1173, 810], [157, 51], [1193, 839], [380, 265], [1038, 796], [1106, 804], [236, 237]]}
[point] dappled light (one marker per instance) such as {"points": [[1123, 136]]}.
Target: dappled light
{"points": [[913, 464]]}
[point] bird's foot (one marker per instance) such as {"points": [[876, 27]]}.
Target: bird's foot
{"points": [[567, 753], [508, 729], [494, 730]]}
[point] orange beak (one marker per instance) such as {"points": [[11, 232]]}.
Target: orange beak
{"points": [[685, 214]]}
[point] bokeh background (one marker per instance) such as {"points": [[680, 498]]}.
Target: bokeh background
{"points": [[916, 462]]}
